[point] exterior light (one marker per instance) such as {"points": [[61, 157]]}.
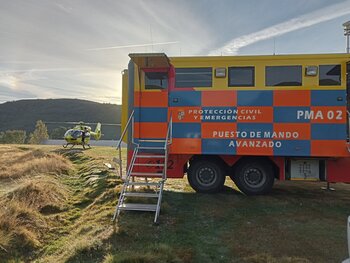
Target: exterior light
{"points": [[311, 70], [220, 72]]}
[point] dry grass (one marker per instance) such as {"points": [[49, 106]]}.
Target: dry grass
{"points": [[22, 228], [34, 193], [41, 193], [16, 163]]}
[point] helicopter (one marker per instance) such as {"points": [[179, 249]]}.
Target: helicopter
{"points": [[81, 134]]}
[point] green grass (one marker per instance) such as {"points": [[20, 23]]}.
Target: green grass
{"points": [[229, 227], [297, 222]]}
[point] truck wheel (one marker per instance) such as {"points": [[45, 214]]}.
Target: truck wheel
{"points": [[206, 176], [254, 177]]}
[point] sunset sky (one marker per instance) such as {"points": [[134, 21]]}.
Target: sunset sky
{"points": [[78, 48]]}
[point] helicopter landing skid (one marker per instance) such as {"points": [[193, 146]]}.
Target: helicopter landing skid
{"points": [[84, 146], [66, 145]]}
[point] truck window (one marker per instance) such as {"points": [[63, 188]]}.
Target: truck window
{"points": [[330, 75], [283, 75], [193, 77], [156, 80], [241, 76]]}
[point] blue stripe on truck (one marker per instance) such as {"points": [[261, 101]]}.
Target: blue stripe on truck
{"points": [[185, 98], [186, 130], [328, 131], [255, 98], [151, 114]]}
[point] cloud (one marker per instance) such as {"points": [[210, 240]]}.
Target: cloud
{"points": [[307, 20], [7, 93], [12, 80], [49, 70], [19, 62], [49, 39], [44, 43], [130, 46]]}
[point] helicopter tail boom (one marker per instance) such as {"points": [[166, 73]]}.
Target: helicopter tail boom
{"points": [[97, 134]]}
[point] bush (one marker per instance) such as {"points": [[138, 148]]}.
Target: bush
{"points": [[58, 133], [40, 133], [14, 136]]}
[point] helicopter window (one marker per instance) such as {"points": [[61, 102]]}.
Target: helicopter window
{"points": [[67, 133], [76, 134], [156, 80]]}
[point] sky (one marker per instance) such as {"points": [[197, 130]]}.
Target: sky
{"points": [[78, 48]]}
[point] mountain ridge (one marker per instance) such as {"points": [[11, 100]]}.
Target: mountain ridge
{"points": [[23, 114]]}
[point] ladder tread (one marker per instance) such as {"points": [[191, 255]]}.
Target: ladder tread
{"points": [[140, 194], [150, 148], [150, 156], [144, 184], [145, 174], [150, 140], [138, 207], [149, 164]]}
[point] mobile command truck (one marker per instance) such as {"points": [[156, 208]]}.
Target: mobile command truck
{"points": [[252, 118]]}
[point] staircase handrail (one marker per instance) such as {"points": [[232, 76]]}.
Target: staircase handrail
{"points": [[168, 141], [125, 129], [169, 134], [119, 149]]}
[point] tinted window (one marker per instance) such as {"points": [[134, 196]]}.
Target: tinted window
{"points": [[283, 76], [193, 77], [156, 80], [329, 75], [241, 76]]}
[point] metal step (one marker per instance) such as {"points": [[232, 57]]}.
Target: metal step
{"points": [[149, 164], [149, 140], [141, 194], [144, 184], [150, 156], [138, 207], [145, 174], [151, 148]]}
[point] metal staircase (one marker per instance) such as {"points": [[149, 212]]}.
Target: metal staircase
{"points": [[154, 182]]}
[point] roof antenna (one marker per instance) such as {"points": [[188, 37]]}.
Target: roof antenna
{"points": [[274, 46], [150, 30], [346, 26]]}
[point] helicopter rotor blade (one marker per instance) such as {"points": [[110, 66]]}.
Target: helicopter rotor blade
{"points": [[104, 124], [77, 123]]}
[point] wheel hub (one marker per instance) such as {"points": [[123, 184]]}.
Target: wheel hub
{"points": [[206, 176], [254, 177]]}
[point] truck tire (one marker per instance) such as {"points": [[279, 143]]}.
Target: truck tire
{"points": [[206, 176], [254, 176]]}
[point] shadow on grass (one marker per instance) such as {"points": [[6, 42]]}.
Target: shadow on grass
{"points": [[292, 224]]}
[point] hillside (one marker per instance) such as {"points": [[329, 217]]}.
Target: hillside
{"points": [[23, 114]]}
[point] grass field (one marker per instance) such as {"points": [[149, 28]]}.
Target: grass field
{"points": [[57, 207]]}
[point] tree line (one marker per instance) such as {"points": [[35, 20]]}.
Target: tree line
{"points": [[38, 136]]}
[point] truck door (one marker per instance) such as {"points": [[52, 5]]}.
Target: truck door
{"points": [[151, 97]]}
